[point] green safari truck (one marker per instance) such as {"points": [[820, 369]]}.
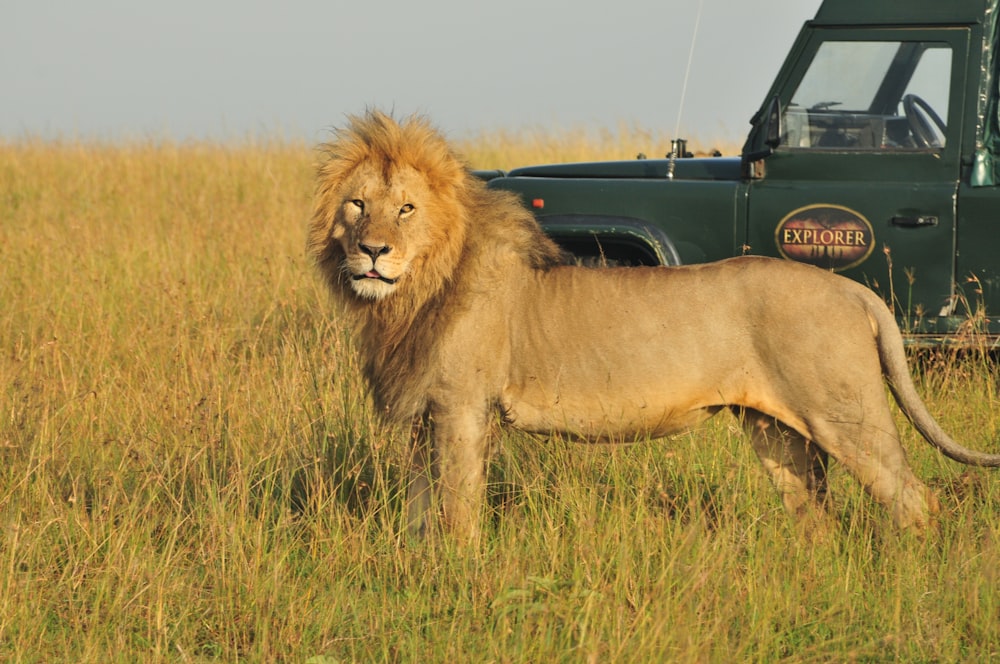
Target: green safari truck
{"points": [[876, 154]]}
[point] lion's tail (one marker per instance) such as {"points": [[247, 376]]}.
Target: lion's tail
{"points": [[897, 373]]}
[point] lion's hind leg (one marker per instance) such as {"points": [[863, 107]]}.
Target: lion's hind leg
{"points": [[796, 465], [872, 453]]}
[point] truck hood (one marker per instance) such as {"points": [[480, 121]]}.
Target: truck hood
{"points": [[708, 168]]}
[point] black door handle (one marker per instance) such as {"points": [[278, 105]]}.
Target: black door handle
{"points": [[914, 222]]}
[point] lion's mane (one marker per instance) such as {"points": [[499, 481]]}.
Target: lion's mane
{"points": [[477, 229]]}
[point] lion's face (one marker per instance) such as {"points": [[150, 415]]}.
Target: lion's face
{"points": [[391, 214], [384, 227]]}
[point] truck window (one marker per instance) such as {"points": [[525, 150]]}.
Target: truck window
{"points": [[871, 95]]}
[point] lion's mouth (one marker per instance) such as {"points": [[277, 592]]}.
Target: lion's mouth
{"points": [[374, 274]]}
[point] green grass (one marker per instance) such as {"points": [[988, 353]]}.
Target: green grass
{"points": [[190, 469]]}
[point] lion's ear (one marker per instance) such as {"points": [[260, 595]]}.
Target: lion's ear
{"points": [[337, 232], [323, 241]]}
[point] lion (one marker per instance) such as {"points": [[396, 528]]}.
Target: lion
{"points": [[465, 314]]}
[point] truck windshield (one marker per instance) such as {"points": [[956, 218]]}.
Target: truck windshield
{"points": [[872, 95]]}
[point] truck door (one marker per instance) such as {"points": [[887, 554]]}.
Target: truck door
{"points": [[864, 178]]}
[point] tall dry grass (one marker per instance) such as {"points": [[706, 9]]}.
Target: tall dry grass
{"points": [[190, 469], [506, 149]]}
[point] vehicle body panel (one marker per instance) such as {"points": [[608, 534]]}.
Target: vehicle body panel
{"points": [[875, 153]]}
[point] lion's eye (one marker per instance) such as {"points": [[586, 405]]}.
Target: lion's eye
{"points": [[406, 209], [358, 203]]}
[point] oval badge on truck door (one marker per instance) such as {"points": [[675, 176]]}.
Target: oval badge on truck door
{"points": [[828, 236]]}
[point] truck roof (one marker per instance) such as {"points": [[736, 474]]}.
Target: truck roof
{"points": [[894, 12]]}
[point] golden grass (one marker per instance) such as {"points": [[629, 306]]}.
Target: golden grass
{"points": [[506, 149], [190, 470]]}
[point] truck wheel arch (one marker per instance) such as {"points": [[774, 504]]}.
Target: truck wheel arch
{"points": [[611, 240]]}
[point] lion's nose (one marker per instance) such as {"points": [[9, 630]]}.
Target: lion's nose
{"points": [[374, 250]]}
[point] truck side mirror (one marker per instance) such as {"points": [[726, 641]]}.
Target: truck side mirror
{"points": [[772, 137], [768, 122]]}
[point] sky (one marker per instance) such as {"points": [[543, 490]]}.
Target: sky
{"points": [[224, 69]]}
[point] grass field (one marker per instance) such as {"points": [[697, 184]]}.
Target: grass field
{"points": [[190, 469]]}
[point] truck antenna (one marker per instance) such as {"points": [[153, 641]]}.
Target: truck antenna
{"points": [[677, 143]]}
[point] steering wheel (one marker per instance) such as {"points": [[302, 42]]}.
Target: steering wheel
{"points": [[917, 112]]}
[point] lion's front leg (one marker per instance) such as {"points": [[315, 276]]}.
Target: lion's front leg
{"points": [[447, 473], [418, 494], [458, 453]]}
